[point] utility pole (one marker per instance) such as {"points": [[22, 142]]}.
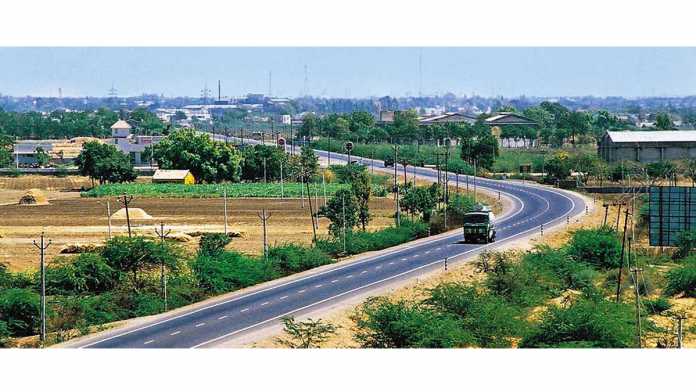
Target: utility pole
{"points": [[108, 217], [125, 202], [264, 219], [396, 158], [264, 171], [475, 172], [680, 330], [623, 247], [224, 204], [42, 246], [311, 213], [323, 183], [636, 290], [343, 201], [282, 190], [162, 234], [606, 213]]}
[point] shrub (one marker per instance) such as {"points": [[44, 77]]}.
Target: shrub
{"points": [[598, 247], [682, 280], [381, 323], [19, 309], [359, 241], [291, 258], [488, 318], [230, 271], [685, 243], [96, 273], [555, 265], [4, 334], [137, 254], [516, 283], [657, 305], [587, 322], [212, 244]]}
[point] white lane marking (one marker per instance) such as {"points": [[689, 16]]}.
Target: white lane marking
{"points": [[222, 317], [427, 252], [200, 325], [364, 272], [174, 333], [416, 255], [480, 248], [319, 285], [334, 281], [265, 303], [391, 263], [302, 291], [485, 184], [378, 267], [349, 276], [283, 297], [149, 341], [403, 259], [243, 310]]}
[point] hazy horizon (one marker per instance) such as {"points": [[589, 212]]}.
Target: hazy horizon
{"points": [[350, 72]]}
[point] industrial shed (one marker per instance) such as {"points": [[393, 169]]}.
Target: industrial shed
{"points": [[173, 177], [647, 146]]}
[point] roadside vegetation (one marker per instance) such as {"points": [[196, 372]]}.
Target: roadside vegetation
{"points": [[293, 189]]}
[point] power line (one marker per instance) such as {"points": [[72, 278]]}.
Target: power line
{"points": [[162, 234], [42, 246]]}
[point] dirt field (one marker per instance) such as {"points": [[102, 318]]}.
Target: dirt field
{"points": [[84, 220]]}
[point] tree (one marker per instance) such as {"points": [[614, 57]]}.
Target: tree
{"points": [[479, 146], [42, 158], [688, 167], [138, 254], [419, 200], [6, 145], [662, 121], [207, 159], [335, 212], [405, 126], [258, 156], [306, 334], [598, 247], [105, 163], [558, 167], [212, 244]]}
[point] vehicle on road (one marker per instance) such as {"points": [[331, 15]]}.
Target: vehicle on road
{"points": [[478, 225]]}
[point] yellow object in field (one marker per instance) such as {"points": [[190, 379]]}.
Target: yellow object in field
{"points": [[189, 180]]}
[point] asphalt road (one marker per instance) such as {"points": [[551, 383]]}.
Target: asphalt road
{"points": [[212, 323]]}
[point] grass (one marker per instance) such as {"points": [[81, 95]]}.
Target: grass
{"points": [[293, 189]]}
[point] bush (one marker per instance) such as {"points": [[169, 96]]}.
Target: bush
{"points": [[4, 334], [488, 318], [657, 305], [381, 323], [230, 271], [682, 280], [598, 247], [685, 243], [359, 241], [588, 322], [20, 309], [291, 258], [137, 254], [554, 267], [212, 244]]}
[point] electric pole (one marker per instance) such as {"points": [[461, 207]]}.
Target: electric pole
{"points": [[42, 245], [343, 202], [126, 202], [636, 290], [623, 247], [162, 234], [224, 206], [108, 217], [264, 219]]}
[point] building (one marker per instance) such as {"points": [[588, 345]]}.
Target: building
{"points": [[173, 177], [447, 118], [501, 119], [132, 145], [60, 152], [647, 146]]}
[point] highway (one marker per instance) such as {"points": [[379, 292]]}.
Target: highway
{"points": [[212, 323]]}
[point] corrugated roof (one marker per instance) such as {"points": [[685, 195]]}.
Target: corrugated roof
{"points": [[652, 136], [169, 174], [503, 115], [120, 124]]}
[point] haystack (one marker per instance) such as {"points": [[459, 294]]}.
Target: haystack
{"points": [[34, 197], [133, 213]]}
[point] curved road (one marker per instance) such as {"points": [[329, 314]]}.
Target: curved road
{"points": [[212, 323]]}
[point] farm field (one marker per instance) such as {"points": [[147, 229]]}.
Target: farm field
{"points": [[84, 221], [292, 189]]}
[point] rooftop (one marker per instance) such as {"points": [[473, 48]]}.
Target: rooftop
{"points": [[652, 136], [120, 124], [170, 174]]}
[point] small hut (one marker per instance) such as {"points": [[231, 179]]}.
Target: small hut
{"points": [[173, 177]]}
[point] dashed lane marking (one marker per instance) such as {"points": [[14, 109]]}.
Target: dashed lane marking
{"points": [[334, 281], [302, 291], [149, 341], [222, 317], [200, 325], [174, 333], [283, 297], [243, 310], [265, 303]]}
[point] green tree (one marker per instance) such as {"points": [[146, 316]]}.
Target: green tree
{"points": [[208, 160], [256, 156], [212, 244], [598, 247], [305, 334], [105, 163], [335, 212], [558, 167], [419, 200], [138, 254], [42, 157], [662, 121], [6, 146]]}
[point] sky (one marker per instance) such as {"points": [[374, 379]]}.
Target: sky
{"points": [[349, 72]]}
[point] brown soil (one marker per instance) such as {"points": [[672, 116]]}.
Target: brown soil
{"points": [[133, 213]]}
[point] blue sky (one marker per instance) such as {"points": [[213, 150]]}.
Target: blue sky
{"points": [[352, 72]]}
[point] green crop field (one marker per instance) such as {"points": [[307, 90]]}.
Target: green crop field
{"points": [[293, 189]]}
